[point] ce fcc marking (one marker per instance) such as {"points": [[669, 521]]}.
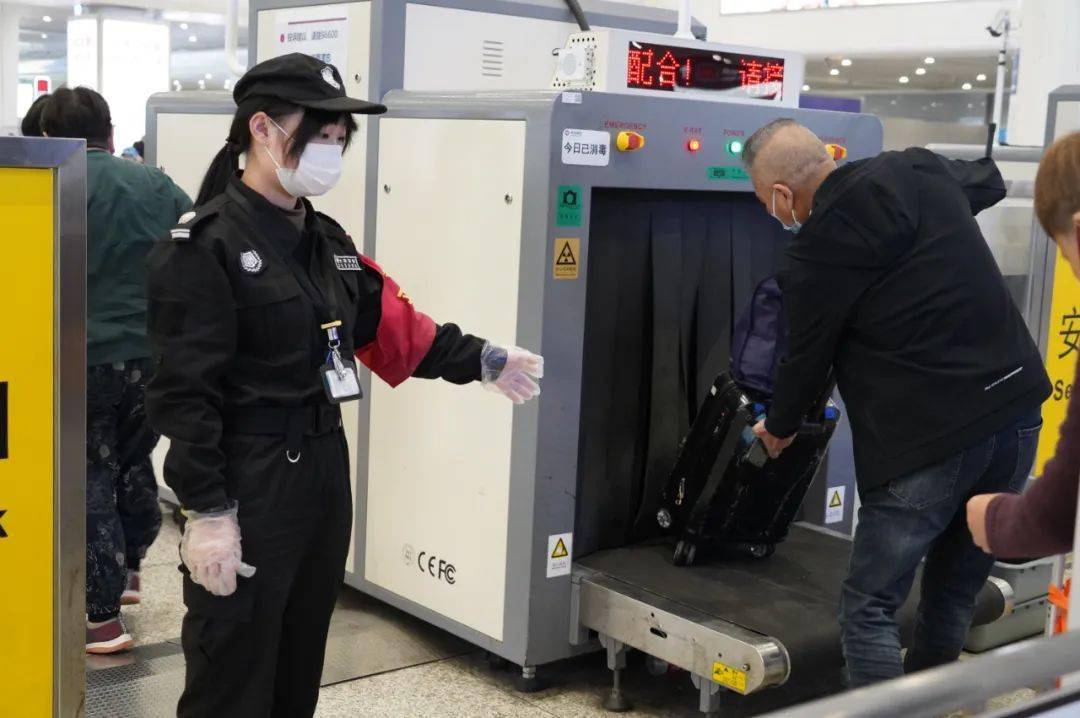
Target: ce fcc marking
{"points": [[430, 564]]}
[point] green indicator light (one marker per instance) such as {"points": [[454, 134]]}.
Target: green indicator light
{"points": [[735, 147]]}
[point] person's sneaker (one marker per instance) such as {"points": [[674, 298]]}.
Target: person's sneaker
{"points": [[108, 637], [133, 591]]}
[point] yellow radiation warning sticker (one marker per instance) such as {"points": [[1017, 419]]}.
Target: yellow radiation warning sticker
{"points": [[567, 258], [729, 677], [560, 549]]}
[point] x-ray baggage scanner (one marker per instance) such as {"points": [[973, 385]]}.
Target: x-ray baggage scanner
{"points": [[619, 236]]}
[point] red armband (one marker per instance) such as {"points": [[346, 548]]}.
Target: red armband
{"points": [[403, 338]]}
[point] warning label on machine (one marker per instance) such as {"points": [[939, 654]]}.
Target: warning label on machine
{"points": [[834, 504], [729, 677], [559, 554], [567, 252]]}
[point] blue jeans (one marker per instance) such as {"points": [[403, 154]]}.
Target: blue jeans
{"points": [[923, 515]]}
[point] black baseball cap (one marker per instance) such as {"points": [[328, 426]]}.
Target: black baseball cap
{"points": [[302, 80]]}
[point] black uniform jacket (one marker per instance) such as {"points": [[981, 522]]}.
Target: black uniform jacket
{"points": [[891, 283], [233, 328]]}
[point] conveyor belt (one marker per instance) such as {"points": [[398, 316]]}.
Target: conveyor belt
{"points": [[792, 596]]}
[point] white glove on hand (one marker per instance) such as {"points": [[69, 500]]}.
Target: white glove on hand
{"points": [[210, 548], [512, 372]]}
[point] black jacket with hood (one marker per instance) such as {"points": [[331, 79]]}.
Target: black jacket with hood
{"points": [[891, 283]]}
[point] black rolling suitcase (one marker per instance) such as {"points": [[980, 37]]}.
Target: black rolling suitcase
{"points": [[724, 493]]}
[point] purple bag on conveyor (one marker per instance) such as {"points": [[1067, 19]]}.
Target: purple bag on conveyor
{"points": [[759, 340]]}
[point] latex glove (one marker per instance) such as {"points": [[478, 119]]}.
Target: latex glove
{"points": [[773, 444], [512, 372], [210, 548], [976, 519]]}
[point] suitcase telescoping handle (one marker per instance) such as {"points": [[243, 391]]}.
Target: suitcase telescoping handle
{"points": [[757, 454]]}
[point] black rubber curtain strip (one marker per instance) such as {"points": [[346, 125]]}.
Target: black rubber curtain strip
{"points": [[662, 290]]}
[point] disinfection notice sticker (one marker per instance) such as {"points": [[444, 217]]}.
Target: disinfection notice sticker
{"points": [[834, 504], [586, 147], [559, 554]]}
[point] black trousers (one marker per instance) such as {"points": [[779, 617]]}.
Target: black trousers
{"points": [[122, 512], [259, 652]]}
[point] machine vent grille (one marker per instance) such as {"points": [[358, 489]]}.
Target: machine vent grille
{"points": [[491, 58]]}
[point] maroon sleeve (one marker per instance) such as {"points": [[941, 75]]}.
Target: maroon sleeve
{"points": [[404, 335], [1042, 521]]}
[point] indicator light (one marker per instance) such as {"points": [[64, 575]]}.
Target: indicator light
{"points": [[838, 152], [693, 144], [629, 141], [735, 147]]}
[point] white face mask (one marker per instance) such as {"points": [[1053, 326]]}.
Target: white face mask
{"points": [[795, 225], [317, 172]]}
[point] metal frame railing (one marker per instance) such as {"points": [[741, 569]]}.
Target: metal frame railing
{"points": [[963, 684]]}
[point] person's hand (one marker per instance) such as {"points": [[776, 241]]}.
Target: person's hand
{"points": [[772, 444], [512, 372], [976, 519], [210, 548]]}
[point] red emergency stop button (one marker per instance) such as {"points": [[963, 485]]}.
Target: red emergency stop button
{"points": [[629, 141], [838, 152]]}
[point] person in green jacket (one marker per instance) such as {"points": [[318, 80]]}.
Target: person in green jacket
{"points": [[129, 206]]}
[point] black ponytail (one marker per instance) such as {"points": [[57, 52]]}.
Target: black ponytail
{"points": [[223, 167], [226, 163]]}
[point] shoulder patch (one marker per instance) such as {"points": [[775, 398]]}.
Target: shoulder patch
{"points": [[189, 221]]}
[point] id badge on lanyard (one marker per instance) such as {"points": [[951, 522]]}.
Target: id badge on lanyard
{"points": [[338, 375]]}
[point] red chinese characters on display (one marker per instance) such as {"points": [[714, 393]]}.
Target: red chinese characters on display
{"points": [[669, 69], [760, 78], [639, 65]]}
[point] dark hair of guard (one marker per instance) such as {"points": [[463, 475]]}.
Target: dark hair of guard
{"points": [[226, 163], [31, 122], [79, 113]]}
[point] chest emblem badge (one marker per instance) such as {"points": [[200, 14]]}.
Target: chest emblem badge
{"points": [[251, 262]]}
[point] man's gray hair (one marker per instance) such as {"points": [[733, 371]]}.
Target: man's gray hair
{"points": [[799, 162], [761, 137]]}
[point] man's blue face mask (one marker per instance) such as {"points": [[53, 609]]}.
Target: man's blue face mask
{"points": [[795, 225]]}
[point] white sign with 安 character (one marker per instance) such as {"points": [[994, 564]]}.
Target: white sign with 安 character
{"points": [[586, 147]]}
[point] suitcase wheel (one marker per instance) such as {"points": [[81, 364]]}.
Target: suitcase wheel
{"points": [[761, 550], [685, 552]]}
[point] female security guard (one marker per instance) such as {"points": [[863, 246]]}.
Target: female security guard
{"points": [[256, 306]]}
